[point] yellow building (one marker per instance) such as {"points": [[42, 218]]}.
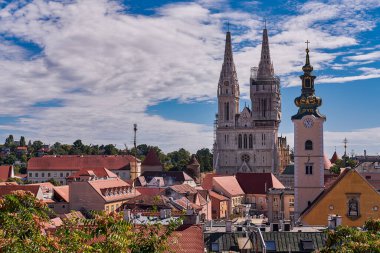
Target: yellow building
{"points": [[350, 196]]}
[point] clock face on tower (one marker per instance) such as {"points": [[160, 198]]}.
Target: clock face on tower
{"points": [[308, 123]]}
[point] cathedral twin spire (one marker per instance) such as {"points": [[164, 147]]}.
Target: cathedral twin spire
{"points": [[265, 65]]}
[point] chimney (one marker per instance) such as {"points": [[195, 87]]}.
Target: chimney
{"points": [[365, 154]]}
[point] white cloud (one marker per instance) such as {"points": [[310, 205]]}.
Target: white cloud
{"points": [[365, 57], [108, 66]]}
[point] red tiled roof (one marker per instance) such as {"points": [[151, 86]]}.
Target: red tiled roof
{"points": [[188, 238], [114, 184], [217, 196], [72, 162], [150, 191], [21, 148], [63, 192], [230, 185], [44, 184], [334, 157], [151, 159], [7, 189], [5, 172], [207, 180], [258, 183], [98, 172], [184, 188], [329, 180]]}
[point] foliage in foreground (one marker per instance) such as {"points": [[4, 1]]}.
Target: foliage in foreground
{"points": [[348, 239], [23, 220]]}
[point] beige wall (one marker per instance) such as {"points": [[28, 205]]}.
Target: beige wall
{"points": [[307, 187], [82, 195]]}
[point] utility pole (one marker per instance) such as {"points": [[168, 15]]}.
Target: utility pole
{"points": [[134, 143]]}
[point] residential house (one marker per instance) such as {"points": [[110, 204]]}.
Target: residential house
{"points": [[228, 186], [283, 242], [164, 179], [350, 196], [280, 204], [36, 190], [190, 198], [92, 193], [219, 205], [255, 186], [41, 169]]}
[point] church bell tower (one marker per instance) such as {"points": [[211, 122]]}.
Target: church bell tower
{"points": [[308, 142]]}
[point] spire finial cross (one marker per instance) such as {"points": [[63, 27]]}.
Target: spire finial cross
{"points": [[307, 44], [265, 23], [228, 25]]}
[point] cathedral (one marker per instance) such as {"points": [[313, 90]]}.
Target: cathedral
{"points": [[247, 140]]}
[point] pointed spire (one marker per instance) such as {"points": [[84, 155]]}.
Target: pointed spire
{"points": [[307, 68], [228, 58], [265, 65]]}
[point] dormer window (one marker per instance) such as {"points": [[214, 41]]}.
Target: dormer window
{"points": [[107, 193]]}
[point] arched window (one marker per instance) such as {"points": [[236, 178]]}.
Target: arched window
{"points": [[245, 141], [308, 145], [250, 141], [227, 111], [240, 141]]}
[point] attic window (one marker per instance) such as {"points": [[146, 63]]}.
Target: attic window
{"points": [[307, 245], [271, 245]]}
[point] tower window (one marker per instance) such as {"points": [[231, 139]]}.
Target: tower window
{"points": [[309, 169], [227, 111], [240, 141], [245, 141], [226, 91], [308, 145], [250, 141]]}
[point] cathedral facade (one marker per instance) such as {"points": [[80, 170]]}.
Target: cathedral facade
{"points": [[247, 140]]}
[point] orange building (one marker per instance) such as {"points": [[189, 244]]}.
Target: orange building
{"points": [[350, 197]]}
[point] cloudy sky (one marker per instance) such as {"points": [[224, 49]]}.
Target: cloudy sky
{"points": [[89, 69]]}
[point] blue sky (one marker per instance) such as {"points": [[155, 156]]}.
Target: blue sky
{"points": [[89, 69]]}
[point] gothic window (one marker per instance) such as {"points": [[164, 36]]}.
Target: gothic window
{"points": [[240, 141], [245, 141], [308, 145], [227, 111], [254, 158], [257, 87], [250, 141], [309, 169], [353, 207], [254, 139], [226, 91]]}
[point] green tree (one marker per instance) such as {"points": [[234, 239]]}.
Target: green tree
{"points": [[335, 169], [9, 141], [22, 141], [204, 157], [110, 149], [351, 239], [10, 159], [21, 221], [37, 145], [179, 159]]}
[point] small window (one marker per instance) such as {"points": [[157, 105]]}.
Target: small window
{"points": [[309, 169], [36, 174], [308, 145], [48, 174], [67, 174], [307, 83], [307, 245], [42, 174], [61, 174], [271, 245], [30, 175], [215, 247]]}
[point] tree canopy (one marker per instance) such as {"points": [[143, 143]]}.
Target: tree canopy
{"points": [[23, 221]]}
